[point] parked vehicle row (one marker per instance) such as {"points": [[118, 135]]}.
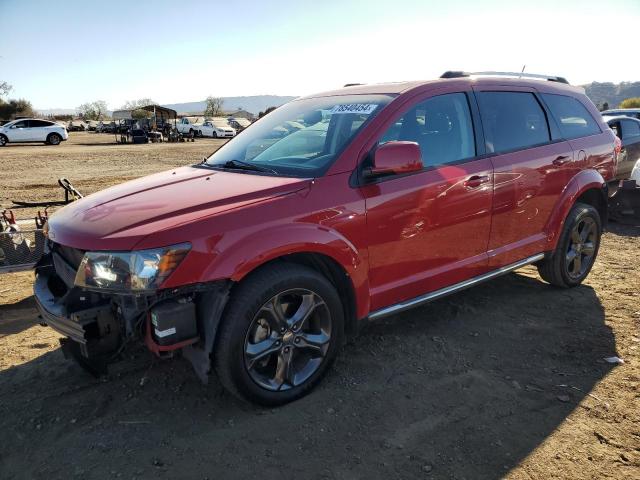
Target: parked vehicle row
{"points": [[260, 261]]}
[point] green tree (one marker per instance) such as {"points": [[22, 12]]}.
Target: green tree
{"points": [[16, 108], [93, 110], [134, 105], [630, 103], [214, 107], [268, 110]]}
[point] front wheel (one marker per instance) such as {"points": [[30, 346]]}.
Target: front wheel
{"points": [[577, 248], [280, 333], [214, 135]]}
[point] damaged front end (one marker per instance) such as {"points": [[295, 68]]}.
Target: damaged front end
{"points": [[103, 301]]}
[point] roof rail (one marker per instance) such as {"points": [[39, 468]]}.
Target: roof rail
{"points": [[352, 84], [460, 74]]}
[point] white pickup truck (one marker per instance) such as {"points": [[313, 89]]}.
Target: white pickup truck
{"points": [[186, 127]]}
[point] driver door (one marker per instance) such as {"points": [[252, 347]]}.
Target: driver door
{"points": [[430, 229], [19, 131]]}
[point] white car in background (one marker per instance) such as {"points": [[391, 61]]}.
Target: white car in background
{"points": [[216, 128], [32, 130], [635, 173]]}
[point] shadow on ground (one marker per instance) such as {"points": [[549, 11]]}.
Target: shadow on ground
{"points": [[463, 388]]}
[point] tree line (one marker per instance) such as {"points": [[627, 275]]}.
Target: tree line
{"points": [[12, 108]]}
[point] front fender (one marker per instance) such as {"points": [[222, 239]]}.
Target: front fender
{"points": [[580, 183], [246, 254]]}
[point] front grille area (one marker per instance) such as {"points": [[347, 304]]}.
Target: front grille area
{"points": [[72, 256]]}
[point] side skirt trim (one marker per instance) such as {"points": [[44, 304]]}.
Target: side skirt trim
{"points": [[428, 297]]}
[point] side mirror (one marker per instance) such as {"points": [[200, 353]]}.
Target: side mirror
{"points": [[396, 158]]}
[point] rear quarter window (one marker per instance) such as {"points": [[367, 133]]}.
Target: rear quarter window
{"points": [[574, 120]]}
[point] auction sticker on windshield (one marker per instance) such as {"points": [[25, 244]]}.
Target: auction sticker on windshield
{"points": [[362, 108]]}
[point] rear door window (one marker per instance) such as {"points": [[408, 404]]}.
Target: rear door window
{"points": [[442, 127], [630, 130], [573, 118], [512, 121]]}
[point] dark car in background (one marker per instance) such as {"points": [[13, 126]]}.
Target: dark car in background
{"points": [[627, 129], [624, 112], [138, 136]]}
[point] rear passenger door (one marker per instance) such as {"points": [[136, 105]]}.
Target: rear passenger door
{"points": [[530, 165], [38, 130]]}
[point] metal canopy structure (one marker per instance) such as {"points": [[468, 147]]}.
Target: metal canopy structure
{"points": [[160, 113]]}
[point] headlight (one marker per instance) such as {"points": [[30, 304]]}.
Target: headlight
{"points": [[137, 270]]}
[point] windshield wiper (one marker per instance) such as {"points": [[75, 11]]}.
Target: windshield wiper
{"points": [[246, 166]]}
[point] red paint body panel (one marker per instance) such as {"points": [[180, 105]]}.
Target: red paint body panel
{"points": [[427, 231], [527, 187], [396, 239]]}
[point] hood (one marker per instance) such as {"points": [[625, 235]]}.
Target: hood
{"points": [[119, 217]]}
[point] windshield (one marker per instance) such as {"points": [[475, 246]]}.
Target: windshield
{"points": [[302, 138]]}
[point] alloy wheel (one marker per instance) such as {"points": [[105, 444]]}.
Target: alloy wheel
{"points": [[288, 339], [582, 247]]}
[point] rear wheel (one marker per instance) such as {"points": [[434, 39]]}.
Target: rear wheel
{"points": [[280, 333], [54, 139], [3, 140], [577, 248]]}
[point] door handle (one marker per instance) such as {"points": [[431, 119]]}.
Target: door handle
{"points": [[476, 181], [561, 160]]}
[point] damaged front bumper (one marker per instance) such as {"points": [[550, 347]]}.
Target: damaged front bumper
{"points": [[98, 326]]}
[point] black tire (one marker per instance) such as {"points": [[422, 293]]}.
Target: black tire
{"points": [[54, 139], [240, 319], [557, 269], [214, 134], [3, 141]]}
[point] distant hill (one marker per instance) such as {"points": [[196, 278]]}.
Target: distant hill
{"points": [[253, 104], [611, 93], [55, 111]]}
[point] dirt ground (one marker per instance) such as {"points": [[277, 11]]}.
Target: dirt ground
{"points": [[503, 380]]}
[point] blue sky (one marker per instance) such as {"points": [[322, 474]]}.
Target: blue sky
{"points": [[62, 54]]}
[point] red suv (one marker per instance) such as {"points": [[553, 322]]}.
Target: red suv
{"points": [[334, 209]]}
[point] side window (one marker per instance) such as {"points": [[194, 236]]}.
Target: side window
{"points": [[615, 126], [630, 130], [39, 123], [442, 127], [572, 117], [512, 121], [22, 124]]}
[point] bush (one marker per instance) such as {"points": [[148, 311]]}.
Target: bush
{"points": [[15, 108], [630, 103]]}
